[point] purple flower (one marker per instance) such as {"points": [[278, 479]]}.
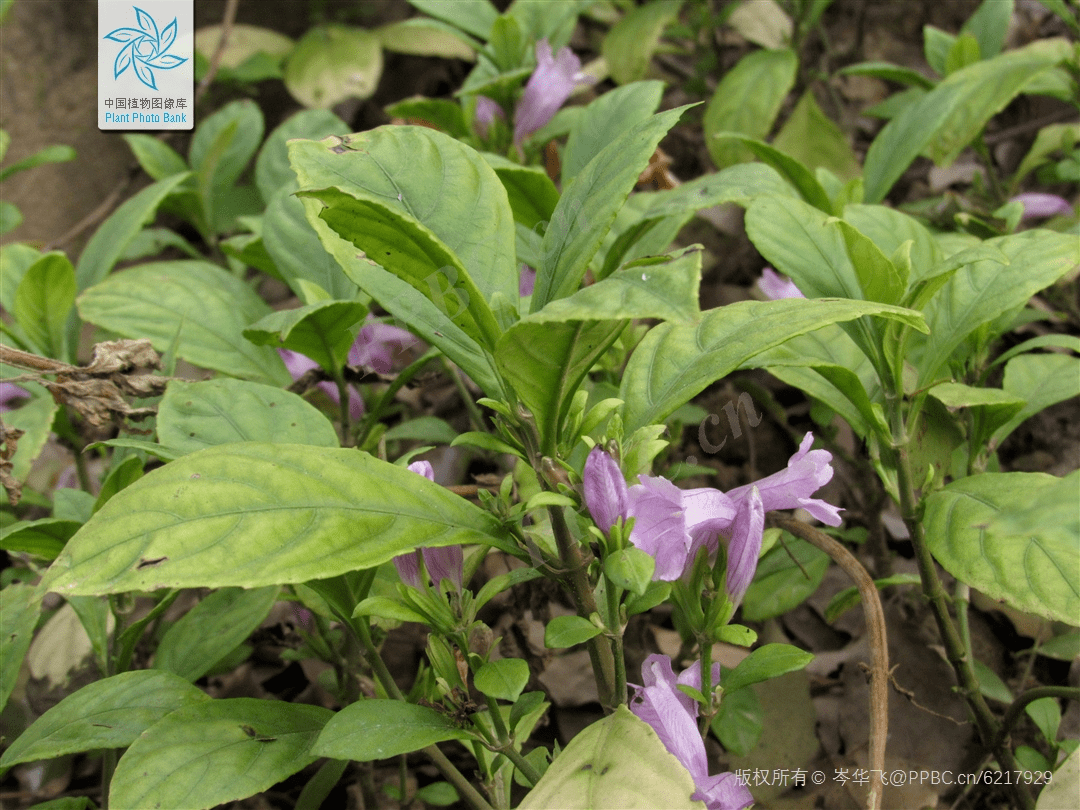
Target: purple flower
{"points": [[548, 88], [526, 281], [775, 286], [374, 348], [487, 110], [1041, 206], [9, 392], [605, 489], [446, 562], [673, 716]]}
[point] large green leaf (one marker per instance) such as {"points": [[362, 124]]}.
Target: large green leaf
{"points": [[273, 174], [947, 118], [531, 193], [427, 177], [889, 229], [196, 415], [223, 169], [631, 42], [20, 606], [110, 240], [812, 138], [1036, 571], [324, 331], [474, 17], [739, 184], [589, 205], [207, 307], [616, 762], [664, 287], [300, 255], [800, 177], [254, 514], [981, 291], [747, 101], [214, 752], [608, 117], [44, 298], [333, 63], [1041, 380], [212, 629], [110, 713], [675, 362], [546, 362], [379, 729]]}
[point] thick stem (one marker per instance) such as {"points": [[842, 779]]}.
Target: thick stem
{"points": [[600, 652], [879, 648]]}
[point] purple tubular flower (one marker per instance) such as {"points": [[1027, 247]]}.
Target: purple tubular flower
{"points": [[1040, 206], [807, 471], [526, 281], [298, 364], [548, 88], [446, 562], [673, 716], [775, 286], [745, 546], [487, 110], [605, 489]]}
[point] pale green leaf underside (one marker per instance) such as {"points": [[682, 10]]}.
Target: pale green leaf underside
{"points": [[1037, 571], [377, 729], [617, 762], [675, 362], [255, 514]]}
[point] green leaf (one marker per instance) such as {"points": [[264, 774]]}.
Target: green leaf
{"points": [[216, 751], [850, 597], [790, 169], [157, 158], [207, 307], [936, 47], [663, 287], [675, 362], [888, 72], [10, 217], [990, 685], [474, 17], [242, 44], [114, 235], [589, 204], [566, 631], [57, 153], [1037, 571], [110, 713], [299, 254], [20, 606], [1066, 781], [740, 721], [630, 44], [529, 190], [616, 762], [947, 118], [43, 299], [444, 114], [1051, 138], [988, 25], [246, 121], [546, 362], [503, 679], [739, 184], [418, 175], [44, 537], [990, 407], [747, 101], [1046, 714], [35, 419], [630, 568], [254, 514], [812, 138], [324, 332], [121, 476], [212, 629], [768, 661], [424, 38], [964, 52], [780, 582], [380, 729], [612, 113], [273, 174], [333, 63], [890, 229], [880, 279], [385, 608], [1041, 380], [980, 291]]}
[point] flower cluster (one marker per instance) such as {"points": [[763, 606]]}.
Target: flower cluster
{"points": [[672, 524], [442, 563], [673, 716]]}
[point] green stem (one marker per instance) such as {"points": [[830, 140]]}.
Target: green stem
{"points": [[475, 416], [445, 766], [574, 567], [1016, 708]]}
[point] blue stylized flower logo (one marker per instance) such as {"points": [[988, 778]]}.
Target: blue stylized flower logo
{"points": [[145, 48]]}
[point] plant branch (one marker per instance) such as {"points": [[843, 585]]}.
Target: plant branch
{"points": [[227, 20], [1016, 708], [879, 649]]}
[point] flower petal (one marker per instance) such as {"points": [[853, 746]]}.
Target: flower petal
{"points": [[663, 707], [446, 562], [725, 791], [548, 89], [745, 546], [807, 471], [660, 526], [1039, 206], [605, 489], [408, 568], [775, 286], [423, 468]]}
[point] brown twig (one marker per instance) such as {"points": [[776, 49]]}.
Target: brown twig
{"points": [[227, 21], [879, 651]]}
